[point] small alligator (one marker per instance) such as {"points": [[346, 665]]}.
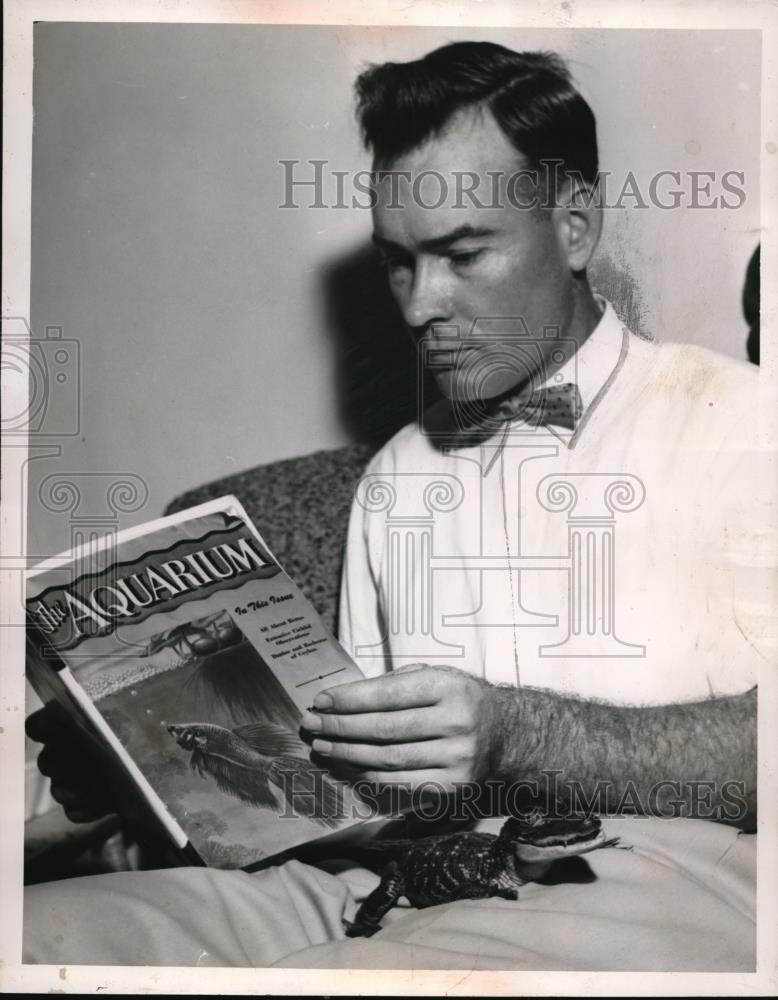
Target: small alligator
{"points": [[441, 869]]}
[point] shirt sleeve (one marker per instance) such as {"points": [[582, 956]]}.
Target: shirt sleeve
{"points": [[748, 593]]}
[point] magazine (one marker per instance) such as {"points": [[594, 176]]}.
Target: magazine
{"points": [[185, 656]]}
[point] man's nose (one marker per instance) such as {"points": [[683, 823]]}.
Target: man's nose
{"points": [[429, 300]]}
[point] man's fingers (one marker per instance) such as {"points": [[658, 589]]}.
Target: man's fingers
{"points": [[48, 761], [35, 725], [64, 765], [404, 689], [433, 781], [392, 757], [81, 811], [43, 725], [402, 726], [407, 667], [79, 806], [78, 814], [64, 795], [50, 725]]}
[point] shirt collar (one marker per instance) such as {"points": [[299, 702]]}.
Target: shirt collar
{"points": [[593, 367], [595, 361]]}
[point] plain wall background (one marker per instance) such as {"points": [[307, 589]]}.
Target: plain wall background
{"points": [[208, 342]]}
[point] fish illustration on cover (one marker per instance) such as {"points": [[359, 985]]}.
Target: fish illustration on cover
{"points": [[193, 655]]}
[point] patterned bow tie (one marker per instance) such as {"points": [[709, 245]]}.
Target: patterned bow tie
{"points": [[466, 424], [560, 405]]}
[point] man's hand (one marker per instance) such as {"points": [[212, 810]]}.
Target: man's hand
{"points": [[425, 724], [419, 724], [65, 761]]}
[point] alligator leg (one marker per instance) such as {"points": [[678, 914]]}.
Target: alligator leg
{"points": [[377, 904]]}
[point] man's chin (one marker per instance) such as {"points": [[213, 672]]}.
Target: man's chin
{"points": [[466, 391]]}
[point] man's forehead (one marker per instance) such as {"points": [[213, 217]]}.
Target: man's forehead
{"points": [[456, 180], [434, 229]]}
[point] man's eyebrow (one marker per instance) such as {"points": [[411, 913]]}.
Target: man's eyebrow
{"points": [[436, 243]]}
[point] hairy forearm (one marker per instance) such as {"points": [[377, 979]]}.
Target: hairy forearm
{"points": [[690, 759]]}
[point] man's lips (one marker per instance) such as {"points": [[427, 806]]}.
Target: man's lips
{"points": [[443, 359]]}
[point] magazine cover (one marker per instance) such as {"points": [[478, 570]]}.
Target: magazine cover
{"points": [[193, 655]]}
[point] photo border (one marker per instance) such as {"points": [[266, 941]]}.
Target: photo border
{"points": [[19, 17]]}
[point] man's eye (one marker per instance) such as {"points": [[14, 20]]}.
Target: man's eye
{"points": [[395, 261], [464, 256]]}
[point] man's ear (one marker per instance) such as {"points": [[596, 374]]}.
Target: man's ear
{"points": [[577, 221]]}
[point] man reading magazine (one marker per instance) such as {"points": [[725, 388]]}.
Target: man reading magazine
{"points": [[659, 720]]}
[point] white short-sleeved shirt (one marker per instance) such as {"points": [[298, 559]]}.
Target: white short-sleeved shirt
{"points": [[633, 560]]}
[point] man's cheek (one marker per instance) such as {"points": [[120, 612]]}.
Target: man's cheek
{"points": [[446, 381], [465, 385], [494, 370]]}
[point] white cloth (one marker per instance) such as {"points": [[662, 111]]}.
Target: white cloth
{"points": [[693, 564], [681, 900]]}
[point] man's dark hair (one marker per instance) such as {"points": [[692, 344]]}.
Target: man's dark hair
{"points": [[530, 95]]}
